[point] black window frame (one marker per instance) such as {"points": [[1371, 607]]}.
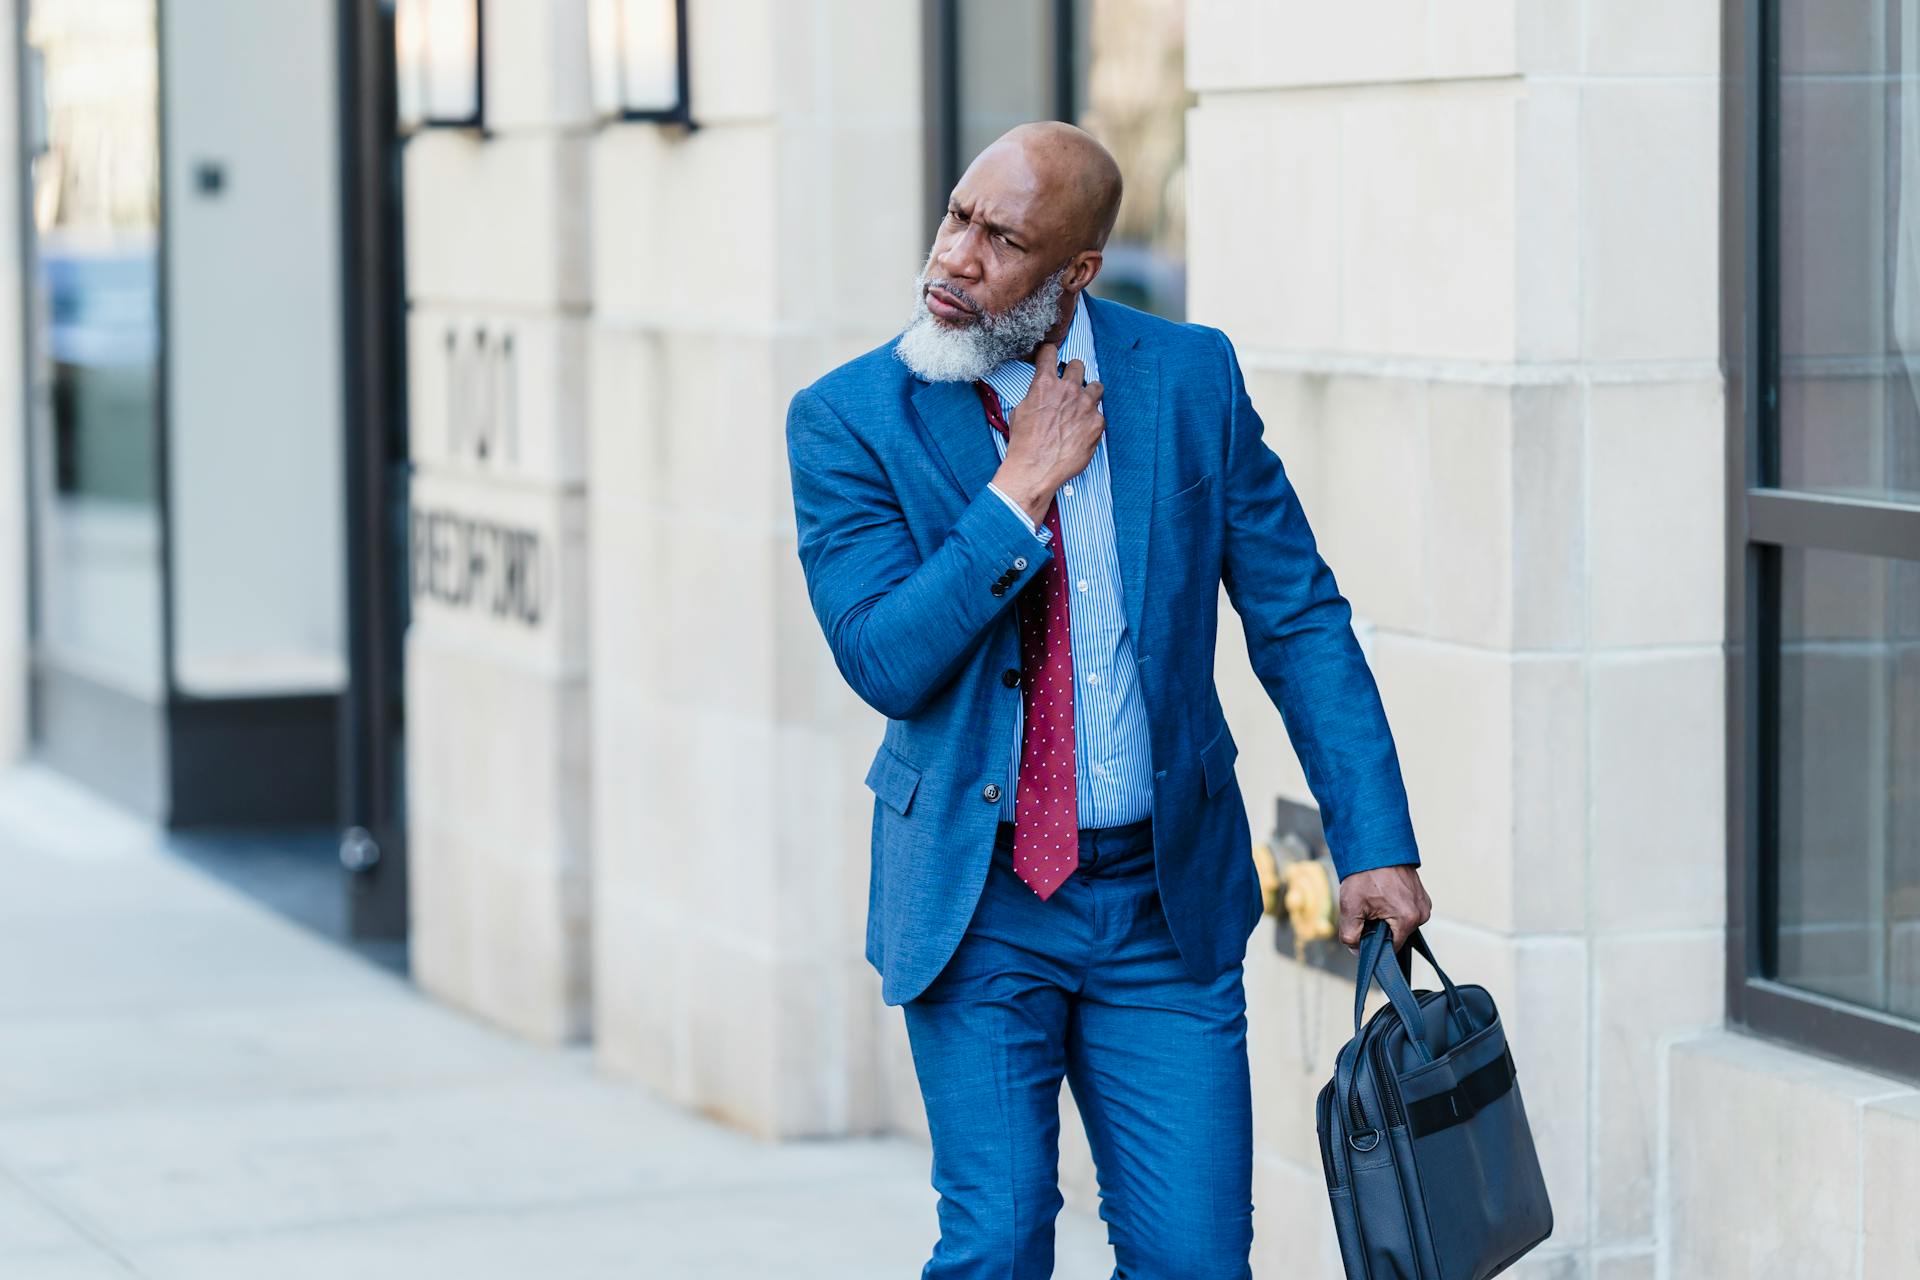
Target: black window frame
{"points": [[940, 41], [1762, 521]]}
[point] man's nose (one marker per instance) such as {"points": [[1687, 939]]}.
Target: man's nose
{"points": [[959, 257]]}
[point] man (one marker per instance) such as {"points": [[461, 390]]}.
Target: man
{"points": [[1019, 564]]}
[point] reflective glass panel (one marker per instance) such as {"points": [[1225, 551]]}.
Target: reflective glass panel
{"points": [[1848, 874], [93, 251], [1849, 247]]}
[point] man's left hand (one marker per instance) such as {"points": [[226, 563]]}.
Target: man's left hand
{"points": [[1393, 894]]}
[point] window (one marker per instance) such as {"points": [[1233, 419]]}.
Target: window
{"points": [[1823, 149], [1116, 68]]}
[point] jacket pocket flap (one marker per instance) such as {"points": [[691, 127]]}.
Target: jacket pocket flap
{"points": [[892, 779], [1180, 498], [1216, 760]]}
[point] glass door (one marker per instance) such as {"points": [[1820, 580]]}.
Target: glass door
{"points": [[94, 359]]}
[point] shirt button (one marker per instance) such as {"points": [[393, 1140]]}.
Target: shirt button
{"points": [[1083, 584], [990, 792], [1067, 489], [1093, 677], [1019, 562]]}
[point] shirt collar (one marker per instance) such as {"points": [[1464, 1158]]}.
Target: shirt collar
{"points": [[1012, 379]]}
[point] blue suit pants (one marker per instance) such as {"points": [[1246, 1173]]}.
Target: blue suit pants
{"points": [[1086, 986]]}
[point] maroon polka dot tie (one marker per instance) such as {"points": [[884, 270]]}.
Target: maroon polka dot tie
{"points": [[1046, 807]]}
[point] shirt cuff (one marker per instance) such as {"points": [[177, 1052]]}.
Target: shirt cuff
{"points": [[1039, 531]]}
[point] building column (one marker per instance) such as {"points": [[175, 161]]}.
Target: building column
{"points": [[498, 284], [1468, 258], [733, 265]]}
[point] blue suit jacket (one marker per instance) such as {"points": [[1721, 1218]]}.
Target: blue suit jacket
{"points": [[902, 542]]}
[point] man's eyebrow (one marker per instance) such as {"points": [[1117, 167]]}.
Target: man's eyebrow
{"points": [[998, 228]]}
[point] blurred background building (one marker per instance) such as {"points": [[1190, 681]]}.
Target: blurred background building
{"points": [[395, 423]]}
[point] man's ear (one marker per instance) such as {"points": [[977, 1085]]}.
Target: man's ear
{"points": [[1082, 269]]}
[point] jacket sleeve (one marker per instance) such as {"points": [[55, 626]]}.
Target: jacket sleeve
{"points": [[899, 627], [1299, 631]]}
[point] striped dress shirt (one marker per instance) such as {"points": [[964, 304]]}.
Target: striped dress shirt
{"points": [[1114, 756]]}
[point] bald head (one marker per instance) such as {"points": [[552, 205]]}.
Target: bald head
{"points": [[1075, 175]]}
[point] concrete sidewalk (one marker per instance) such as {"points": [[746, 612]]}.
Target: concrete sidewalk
{"points": [[193, 1088]]}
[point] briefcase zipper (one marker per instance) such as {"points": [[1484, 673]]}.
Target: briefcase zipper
{"points": [[1389, 1086], [1323, 1118], [1355, 1105], [1389, 1094]]}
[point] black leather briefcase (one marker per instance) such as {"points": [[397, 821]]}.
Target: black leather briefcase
{"points": [[1430, 1165]]}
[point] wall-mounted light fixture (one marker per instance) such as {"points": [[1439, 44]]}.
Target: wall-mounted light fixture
{"points": [[638, 50], [436, 47]]}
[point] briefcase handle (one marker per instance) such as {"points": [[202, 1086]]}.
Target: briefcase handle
{"points": [[1393, 975], [1376, 946]]}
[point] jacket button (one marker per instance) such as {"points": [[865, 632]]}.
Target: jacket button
{"points": [[1010, 678], [1019, 562], [999, 588], [990, 792]]}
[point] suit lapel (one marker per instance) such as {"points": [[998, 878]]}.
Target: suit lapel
{"points": [[963, 441], [1131, 378], [953, 416]]}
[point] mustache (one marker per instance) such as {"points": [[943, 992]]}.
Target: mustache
{"points": [[958, 294]]}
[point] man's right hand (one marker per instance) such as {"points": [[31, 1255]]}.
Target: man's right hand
{"points": [[1052, 433]]}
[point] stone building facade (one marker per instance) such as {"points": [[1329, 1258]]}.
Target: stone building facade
{"points": [[1484, 264], [1471, 258]]}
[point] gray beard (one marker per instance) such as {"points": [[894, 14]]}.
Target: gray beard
{"points": [[941, 353]]}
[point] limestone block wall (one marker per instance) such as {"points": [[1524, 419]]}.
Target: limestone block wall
{"points": [[498, 767], [1467, 250], [732, 266], [1468, 256], [1782, 1164]]}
